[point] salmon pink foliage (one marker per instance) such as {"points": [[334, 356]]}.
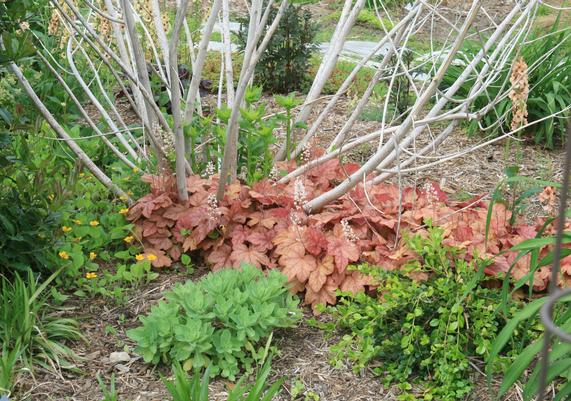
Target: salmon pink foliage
{"points": [[261, 225]]}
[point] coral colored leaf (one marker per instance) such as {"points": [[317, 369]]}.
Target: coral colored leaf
{"points": [[298, 266], [343, 251], [220, 257], [160, 242], [175, 212], [149, 228], [288, 243], [195, 183], [261, 239], [354, 282], [175, 252], [326, 295], [244, 254], [318, 277], [314, 240], [296, 286]]}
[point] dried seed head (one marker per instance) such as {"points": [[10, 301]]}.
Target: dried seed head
{"points": [[548, 199], [53, 26], [519, 92], [103, 27]]}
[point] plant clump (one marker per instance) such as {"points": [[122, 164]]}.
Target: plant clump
{"points": [[218, 321], [284, 66], [427, 321]]}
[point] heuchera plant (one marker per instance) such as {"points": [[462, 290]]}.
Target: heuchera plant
{"points": [[264, 225]]}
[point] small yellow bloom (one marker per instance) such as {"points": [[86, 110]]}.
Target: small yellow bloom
{"points": [[63, 255], [51, 197], [128, 239], [90, 275], [140, 257], [92, 255], [93, 223], [124, 211], [77, 221], [130, 193], [151, 257], [81, 174], [135, 170], [123, 197], [66, 229], [77, 239]]}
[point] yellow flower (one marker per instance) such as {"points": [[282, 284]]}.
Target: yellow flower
{"points": [[128, 239], [135, 170], [130, 193], [151, 257], [90, 275], [93, 223], [63, 255], [140, 257], [124, 211], [92, 255], [51, 197], [77, 221], [123, 197], [81, 174], [66, 229], [77, 239]]}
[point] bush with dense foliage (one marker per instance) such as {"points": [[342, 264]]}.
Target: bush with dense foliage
{"points": [[33, 186], [284, 66], [426, 322], [218, 321], [257, 135]]}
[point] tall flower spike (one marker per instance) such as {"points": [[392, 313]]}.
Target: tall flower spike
{"points": [[299, 193], [348, 232], [209, 170], [519, 92], [431, 194], [212, 204]]}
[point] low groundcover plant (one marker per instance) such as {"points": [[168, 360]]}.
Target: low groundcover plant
{"points": [[217, 321]]}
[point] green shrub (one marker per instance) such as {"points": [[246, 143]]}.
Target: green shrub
{"points": [[549, 84], [421, 332], [283, 67], [219, 320], [255, 157], [32, 185]]}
